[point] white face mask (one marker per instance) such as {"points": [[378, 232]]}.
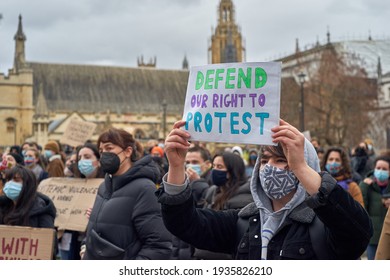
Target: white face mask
{"points": [[277, 182]]}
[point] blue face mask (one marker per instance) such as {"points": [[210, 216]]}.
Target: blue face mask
{"points": [[195, 167], [253, 157], [333, 167], [86, 167], [381, 175], [12, 189], [48, 154]]}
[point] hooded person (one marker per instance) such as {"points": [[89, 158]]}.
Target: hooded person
{"points": [[297, 213]]}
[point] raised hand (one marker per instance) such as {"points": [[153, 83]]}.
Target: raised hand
{"points": [[176, 146]]}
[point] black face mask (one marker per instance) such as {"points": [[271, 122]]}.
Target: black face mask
{"points": [[109, 162], [157, 160], [71, 167], [219, 177]]}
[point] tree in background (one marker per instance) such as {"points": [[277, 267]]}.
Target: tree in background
{"points": [[338, 98]]}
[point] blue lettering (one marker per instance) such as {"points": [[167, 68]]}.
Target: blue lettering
{"points": [[246, 116], [262, 116], [188, 119], [208, 122], [233, 122], [197, 121], [220, 116]]}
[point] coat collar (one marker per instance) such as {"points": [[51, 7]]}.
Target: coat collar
{"points": [[302, 213]]}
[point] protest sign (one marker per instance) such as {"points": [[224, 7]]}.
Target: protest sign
{"points": [[77, 132], [72, 197], [233, 102], [26, 243]]}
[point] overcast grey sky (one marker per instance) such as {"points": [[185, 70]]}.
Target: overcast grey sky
{"points": [[116, 32]]}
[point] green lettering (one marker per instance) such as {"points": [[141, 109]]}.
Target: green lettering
{"points": [[246, 79], [199, 81], [218, 77], [229, 78], [209, 79], [261, 77]]}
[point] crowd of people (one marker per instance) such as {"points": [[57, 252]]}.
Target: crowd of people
{"points": [[174, 199]]}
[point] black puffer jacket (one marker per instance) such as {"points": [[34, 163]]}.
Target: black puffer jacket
{"points": [[126, 221], [43, 212], [41, 215]]}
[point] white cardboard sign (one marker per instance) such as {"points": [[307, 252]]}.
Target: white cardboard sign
{"points": [[233, 102]]}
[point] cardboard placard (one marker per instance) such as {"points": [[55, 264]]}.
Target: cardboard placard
{"points": [[77, 132], [72, 197], [26, 243], [233, 102]]}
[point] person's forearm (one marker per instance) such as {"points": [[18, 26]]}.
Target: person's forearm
{"points": [[309, 178], [176, 175]]}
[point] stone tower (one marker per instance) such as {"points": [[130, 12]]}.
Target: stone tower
{"points": [[226, 41], [16, 97], [20, 38]]}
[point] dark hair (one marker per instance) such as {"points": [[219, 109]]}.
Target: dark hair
{"points": [[382, 157], [119, 137], [345, 162], [94, 149], [18, 214], [276, 151], [236, 169], [205, 155]]}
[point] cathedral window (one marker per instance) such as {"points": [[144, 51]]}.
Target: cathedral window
{"points": [[10, 125]]}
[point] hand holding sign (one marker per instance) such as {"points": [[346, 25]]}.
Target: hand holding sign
{"points": [[176, 146]]}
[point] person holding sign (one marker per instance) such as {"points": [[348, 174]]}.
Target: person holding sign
{"points": [[125, 221], [298, 211]]}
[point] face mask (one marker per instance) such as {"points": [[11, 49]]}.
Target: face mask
{"points": [[48, 154], [12, 189], [86, 167], [277, 182], [253, 157], [29, 161], [333, 168], [195, 167], [110, 162], [381, 175], [24, 153], [157, 160], [219, 177]]}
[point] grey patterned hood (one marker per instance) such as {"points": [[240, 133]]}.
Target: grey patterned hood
{"points": [[261, 199]]}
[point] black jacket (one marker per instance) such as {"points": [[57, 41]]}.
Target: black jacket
{"points": [[346, 231], [41, 215], [126, 221]]}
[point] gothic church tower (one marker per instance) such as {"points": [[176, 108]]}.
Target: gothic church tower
{"points": [[226, 42]]}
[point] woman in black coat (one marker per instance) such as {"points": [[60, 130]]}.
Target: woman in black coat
{"points": [[125, 221], [21, 204]]}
